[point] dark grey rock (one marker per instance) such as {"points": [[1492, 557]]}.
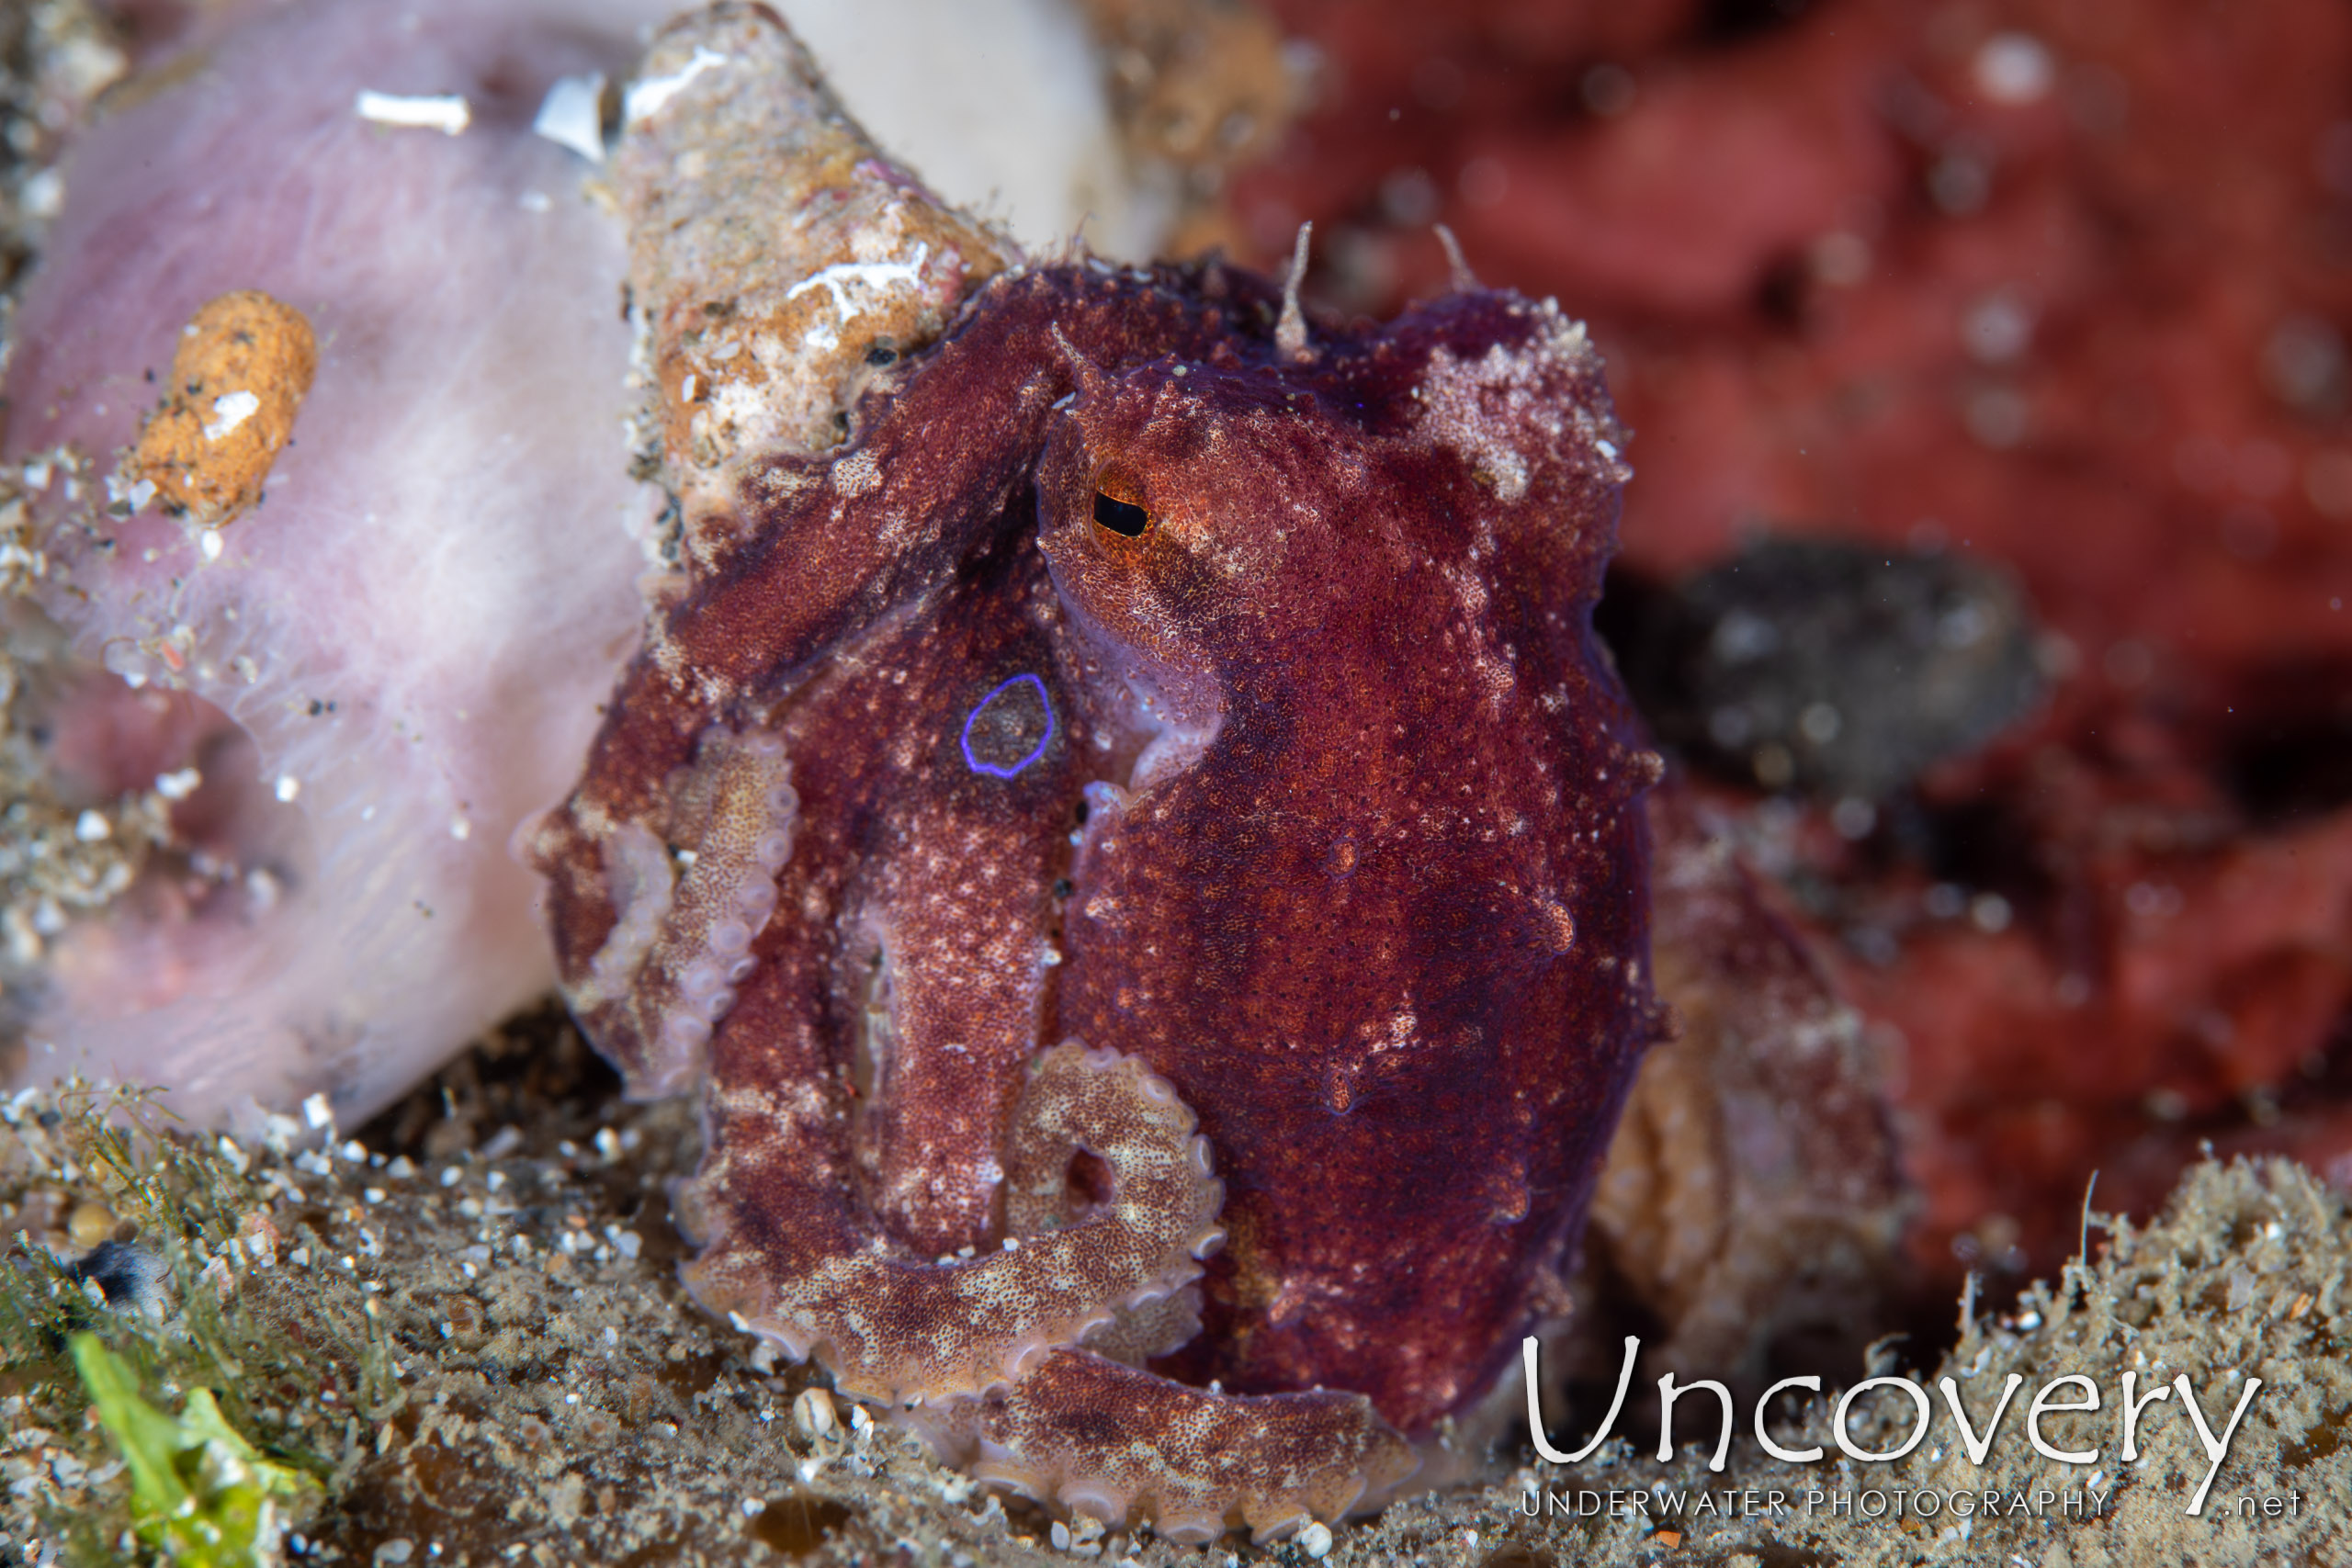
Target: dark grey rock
{"points": [[1830, 667]]}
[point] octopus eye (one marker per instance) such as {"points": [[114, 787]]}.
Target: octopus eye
{"points": [[1124, 518]]}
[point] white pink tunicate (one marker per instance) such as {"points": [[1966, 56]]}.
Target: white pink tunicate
{"points": [[382, 671], [412, 631]]}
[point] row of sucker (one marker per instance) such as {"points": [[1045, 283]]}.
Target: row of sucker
{"points": [[731, 823], [640, 881]]}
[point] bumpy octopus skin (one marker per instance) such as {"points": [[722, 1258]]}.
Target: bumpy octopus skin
{"points": [[1148, 675]]}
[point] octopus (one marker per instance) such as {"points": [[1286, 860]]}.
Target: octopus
{"points": [[1144, 861]]}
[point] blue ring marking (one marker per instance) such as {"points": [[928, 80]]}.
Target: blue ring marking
{"points": [[992, 768]]}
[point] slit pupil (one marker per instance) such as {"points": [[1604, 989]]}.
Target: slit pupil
{"points": [[1122, 517]]}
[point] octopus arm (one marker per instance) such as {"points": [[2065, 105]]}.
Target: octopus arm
{"points": [[900, 1329], [1115, 1442], [993, 1346]]}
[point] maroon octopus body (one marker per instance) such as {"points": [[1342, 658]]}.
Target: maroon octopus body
{"points": [[1143, 674]]}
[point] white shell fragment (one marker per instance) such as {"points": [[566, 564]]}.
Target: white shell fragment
{"points": [[229, 411], [647, 97], [444, 112], [572, 116]]}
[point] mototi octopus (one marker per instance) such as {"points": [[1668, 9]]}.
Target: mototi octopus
{"points": [[1147, 861]]}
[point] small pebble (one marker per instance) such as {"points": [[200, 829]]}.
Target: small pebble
{"points": [[813, 1415], [91, 1223]]}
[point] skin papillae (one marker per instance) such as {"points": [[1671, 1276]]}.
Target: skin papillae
{"points": [[1140, 676]]}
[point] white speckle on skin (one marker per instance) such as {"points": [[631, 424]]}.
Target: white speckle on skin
{"points": [[1485, 408], [855, 475]]}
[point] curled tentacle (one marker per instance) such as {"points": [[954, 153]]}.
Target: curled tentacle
{"points": [[898, 1329], [681, 941], [1084, 1427]]}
